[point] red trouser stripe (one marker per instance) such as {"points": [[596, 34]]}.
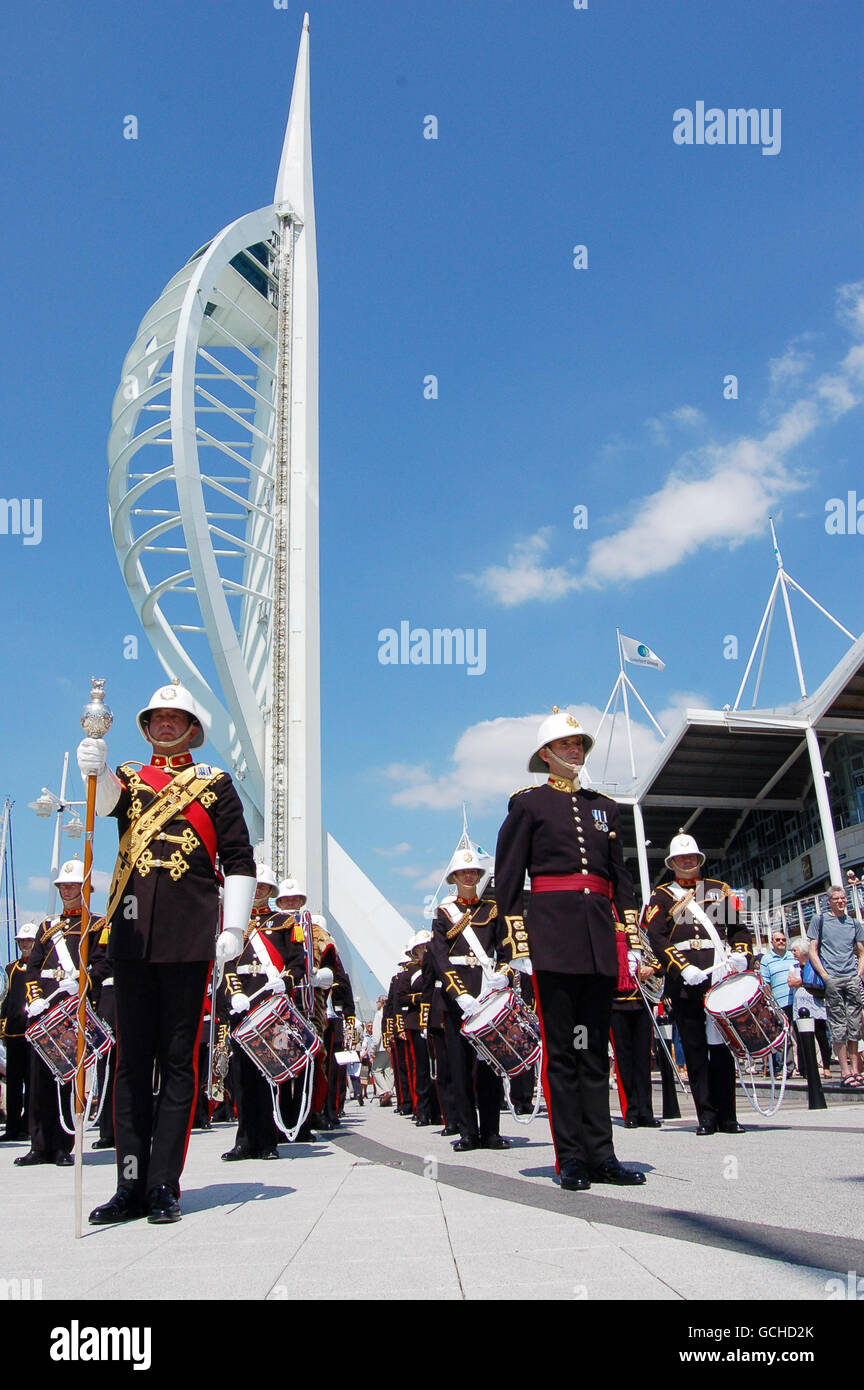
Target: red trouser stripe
{"points": [[543, 1077], [196, 1048]]}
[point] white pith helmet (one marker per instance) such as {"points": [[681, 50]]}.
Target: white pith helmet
{"points": [[264, 874], [683, 844], [290, 888], [70, 872], [465, 856], [420, 938], [174, 696], [559, 724], [27, 931]]}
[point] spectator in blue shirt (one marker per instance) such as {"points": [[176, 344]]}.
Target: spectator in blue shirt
{"points": [[775, 968]]}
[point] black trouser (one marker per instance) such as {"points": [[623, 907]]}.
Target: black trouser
{"points": [[18, 1052], [159, 1012], [256, 1128], [47, 1135], [631, 1034], [400, 1075], [440, 1063], [575, 1016], [477, 1089], [106, 1065], [710, 1068], [427, 1102]]}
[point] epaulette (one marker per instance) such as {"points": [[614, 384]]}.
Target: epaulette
{"points": [[520, 790]]}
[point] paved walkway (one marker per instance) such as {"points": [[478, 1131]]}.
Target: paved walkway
{"points": [[387, 1208]]}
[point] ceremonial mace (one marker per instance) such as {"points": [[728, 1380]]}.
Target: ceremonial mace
{"points": [[96, 720]]}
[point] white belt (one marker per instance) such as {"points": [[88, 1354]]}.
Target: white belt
{"points": [[109, 981], [249, 970], [464, 960], [52, 974]]}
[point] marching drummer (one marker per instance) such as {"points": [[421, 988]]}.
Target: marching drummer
{"points": [[271, 956], [52, 976], [465, 934], [678, 918]]}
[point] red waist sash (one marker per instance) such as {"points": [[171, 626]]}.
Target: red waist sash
{"points": [[571, 883]]}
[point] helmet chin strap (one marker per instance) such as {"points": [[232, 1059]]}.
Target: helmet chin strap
{"points": [[562, 769], [169, 742]]}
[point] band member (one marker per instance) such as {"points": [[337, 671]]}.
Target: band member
{"points": [[683, 944], [395, 1040], [309, 985], [13, 1025], [415, 1013], [458, 960], [568, 839], [632, 1035], [52, 975], [270, 952], [175, 817], [432, 1008]]}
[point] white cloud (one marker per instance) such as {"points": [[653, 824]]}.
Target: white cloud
{"points": [[715, 496], [489, 761], [38, 885], [394, 851], [787, 370], [684, 417], [524, 577]]}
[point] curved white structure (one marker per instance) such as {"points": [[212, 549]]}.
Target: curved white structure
{"points": [[213, 497]]}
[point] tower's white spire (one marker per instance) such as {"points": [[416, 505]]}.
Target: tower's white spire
{"points": [[294, 180]]}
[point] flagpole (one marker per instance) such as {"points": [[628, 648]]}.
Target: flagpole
{"points": [[626, 706]]}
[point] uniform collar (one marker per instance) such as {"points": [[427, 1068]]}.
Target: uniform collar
{"points": [[687, 882], [261, 911], [175, 763], [564, 784], [71, 912], [467, 902]]}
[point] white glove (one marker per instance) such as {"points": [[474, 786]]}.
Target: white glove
{"points": [[634, 960], [237, 898], [239, 1003], [497, 980], [323, 978], [692, 975], [92, 762], [523, 965], [468, 1004], [275, 983], [738, 962], [68, 985], [229, 944], [36, 1008], [92, 756]]}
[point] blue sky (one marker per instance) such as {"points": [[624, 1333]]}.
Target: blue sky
{"points": [[454, 257]]}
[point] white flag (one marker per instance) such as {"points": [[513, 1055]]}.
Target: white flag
{"points": [[640, 655]]}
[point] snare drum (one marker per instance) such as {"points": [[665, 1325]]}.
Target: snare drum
{"points": [[750, 1021], [55, 1037], [505, 1033], [278, 1038]]}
